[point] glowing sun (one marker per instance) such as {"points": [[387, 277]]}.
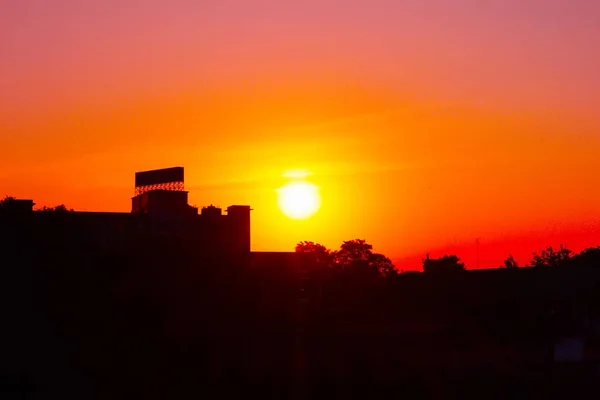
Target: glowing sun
{"points": [[299, 200]]}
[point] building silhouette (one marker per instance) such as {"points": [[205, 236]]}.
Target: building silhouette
{"points": [[159, 209], [160, 218]]}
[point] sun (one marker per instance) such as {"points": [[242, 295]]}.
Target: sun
{"points": [[299, 199]]}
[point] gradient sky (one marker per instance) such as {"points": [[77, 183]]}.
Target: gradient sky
{"points": [[426, 123]]}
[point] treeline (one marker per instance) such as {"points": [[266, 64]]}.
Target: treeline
{"points": [[561, 257], [6, 205], [357, 254]]}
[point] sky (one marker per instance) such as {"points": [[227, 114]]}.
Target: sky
{"points": [[426, 124]]}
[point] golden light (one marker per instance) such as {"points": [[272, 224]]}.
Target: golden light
{"points": [[296, 174], [299, 199]]}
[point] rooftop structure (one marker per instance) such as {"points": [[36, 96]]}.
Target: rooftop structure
{"points": [[160, 179]]}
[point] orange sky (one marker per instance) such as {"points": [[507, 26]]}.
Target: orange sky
{"points": [[424, 126]]}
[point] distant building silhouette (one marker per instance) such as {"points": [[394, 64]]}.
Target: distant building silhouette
{"points": [[159, 208], [159, 211], [17, 206]]}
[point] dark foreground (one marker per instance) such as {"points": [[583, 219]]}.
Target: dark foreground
{"points": [[167, 323]]}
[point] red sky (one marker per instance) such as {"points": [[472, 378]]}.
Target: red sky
{"points": [[425, 123]]}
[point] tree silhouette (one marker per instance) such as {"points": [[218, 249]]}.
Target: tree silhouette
{"points": [[321, 253], [353, 250], [552, 258], [445, 264], [59, 208], [589, 257], [382, 264], [311, 247], [358, 254], [6, 202], [510, 262]]}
